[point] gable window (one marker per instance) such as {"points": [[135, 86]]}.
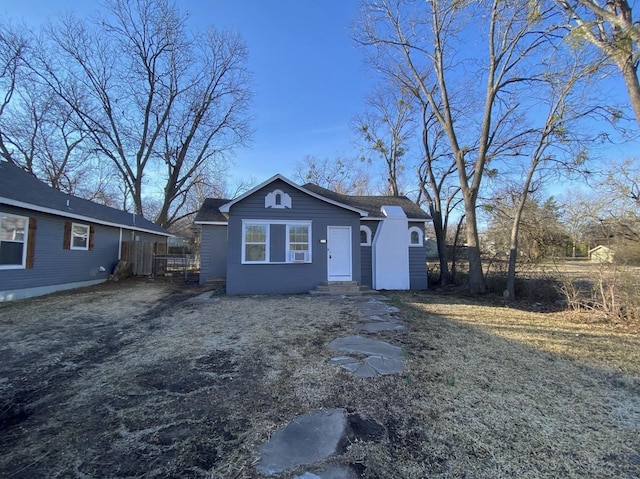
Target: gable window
{"points": [[13, 236], [299, 243], [365, 236], [255, 241], [416, 236]]}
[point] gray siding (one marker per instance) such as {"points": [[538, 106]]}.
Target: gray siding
{"points": [[366, 256], [54, 265], [213, 252], [291, 277], [367, 268], [418, 264]]}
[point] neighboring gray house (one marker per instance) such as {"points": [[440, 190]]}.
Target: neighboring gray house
{"points": [[284, 238], [51, 241]]}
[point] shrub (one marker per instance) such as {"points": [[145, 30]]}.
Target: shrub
{"points": [[610, 292]]}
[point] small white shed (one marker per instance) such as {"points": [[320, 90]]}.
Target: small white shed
{"points": [[601, 254]]}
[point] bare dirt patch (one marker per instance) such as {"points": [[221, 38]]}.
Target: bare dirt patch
{"points": [[136, 379]]}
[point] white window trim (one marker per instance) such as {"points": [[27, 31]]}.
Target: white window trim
{"points": [[246, 223], [368, 232], [420, 232], [288, 255], [268, 223], [80, 248], [24, 243]]}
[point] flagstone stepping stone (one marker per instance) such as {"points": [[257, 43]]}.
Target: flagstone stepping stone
{"points": [[361, 345], [377, 307], [383, 366], [307, 439], [360, 369], [379, 326], [371, 366], [332, 472]]}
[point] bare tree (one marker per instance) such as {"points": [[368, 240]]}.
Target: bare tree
{"points": [[578, 210], [157, 101], [46, 139], [558, 135], [342, 175], [386, 129], [609, 25], [474, 93], [13, 46], [435, 176]]}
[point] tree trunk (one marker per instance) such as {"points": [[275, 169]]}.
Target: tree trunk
{"points": [[513, 254], [454, 253], [630, 75], [476, 277], [442, 247]]}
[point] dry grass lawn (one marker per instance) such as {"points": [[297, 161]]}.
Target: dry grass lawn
{"points": [[134, 379]]}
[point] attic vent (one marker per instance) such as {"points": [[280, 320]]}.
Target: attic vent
{"points": [[277, 199], [299, 256]]}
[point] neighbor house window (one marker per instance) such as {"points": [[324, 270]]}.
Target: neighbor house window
{"points": [[255, 241], [79, 236], [416, 236], [299, 243], [365, 236], [13, 251]]}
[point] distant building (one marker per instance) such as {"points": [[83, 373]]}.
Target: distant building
{"points": [[601, 254]]}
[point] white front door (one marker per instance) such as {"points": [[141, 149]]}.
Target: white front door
{"points": [[339, 253]]}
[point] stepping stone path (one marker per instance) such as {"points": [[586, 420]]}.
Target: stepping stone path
{"points": [[318, 435], [381, 357]]}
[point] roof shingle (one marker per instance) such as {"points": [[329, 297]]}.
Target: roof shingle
{"points": [[19, 188]]}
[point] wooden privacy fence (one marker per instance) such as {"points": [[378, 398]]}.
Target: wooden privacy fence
{"points": [[140, 254]]}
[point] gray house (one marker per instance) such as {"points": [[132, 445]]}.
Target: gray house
{"points": [[280, 237], [51, 241]]}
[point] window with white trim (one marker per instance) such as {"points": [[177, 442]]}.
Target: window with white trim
{"points": [[13, 241], [299, 243], [255, 243], [79, 236], [365, 236], [416, 236]]}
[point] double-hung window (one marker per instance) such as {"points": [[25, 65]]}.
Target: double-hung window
{"points": [[255, 239], [79, 236], [299, 243], [13, 250]]}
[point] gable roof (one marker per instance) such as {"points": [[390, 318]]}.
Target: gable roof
{"points": [[373, 204], [225, 208], [214, 210], [23, 190], [209, 212]]}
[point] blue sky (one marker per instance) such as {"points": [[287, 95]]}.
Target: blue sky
{"points": [[309, 78]]}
